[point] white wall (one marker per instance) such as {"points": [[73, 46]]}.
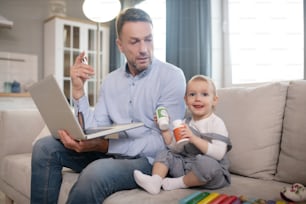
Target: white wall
{"points": [[28, 16]]}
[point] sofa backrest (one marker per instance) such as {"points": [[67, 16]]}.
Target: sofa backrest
{"points": [[254, 118], [18, 129], [292, 161]]}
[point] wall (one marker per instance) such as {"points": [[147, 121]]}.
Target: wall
{"points": [[28, 16], [21, 68]]}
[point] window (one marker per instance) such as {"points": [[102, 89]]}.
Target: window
{"points": [[266, 40], [157, 10]]}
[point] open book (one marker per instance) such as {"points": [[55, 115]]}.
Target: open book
{"points": [[57, 114]]}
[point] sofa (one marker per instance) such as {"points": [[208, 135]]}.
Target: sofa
{"points": [[266, 123]]}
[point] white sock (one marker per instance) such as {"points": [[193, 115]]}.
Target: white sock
{"points": [[173, 183], [151, 184]]}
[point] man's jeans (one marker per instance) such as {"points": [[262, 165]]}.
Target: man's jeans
{"points": [[100, 176]]}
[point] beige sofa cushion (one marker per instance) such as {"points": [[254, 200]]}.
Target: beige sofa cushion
{"points": [[43, 133], [16, 124], [292, 162], [253, 117], [15, 170]]}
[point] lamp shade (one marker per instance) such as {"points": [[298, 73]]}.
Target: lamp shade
{"points": [[101, 10]]}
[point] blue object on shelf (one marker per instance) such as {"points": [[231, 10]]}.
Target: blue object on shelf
{"points": [[15, 87]]}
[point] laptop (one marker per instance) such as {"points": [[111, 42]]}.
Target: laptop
{"points": [[58, 115]]}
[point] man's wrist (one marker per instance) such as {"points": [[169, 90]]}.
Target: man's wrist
{"points": [[77, 93], [103, 147], [77, 96]]}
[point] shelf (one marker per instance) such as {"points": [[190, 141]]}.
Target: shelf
{"points": [[25, 94]]}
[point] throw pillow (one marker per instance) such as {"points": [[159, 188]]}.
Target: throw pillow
{"points": [[253, 116]]}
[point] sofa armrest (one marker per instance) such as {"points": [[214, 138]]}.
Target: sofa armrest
{"points": [[18, 129]]}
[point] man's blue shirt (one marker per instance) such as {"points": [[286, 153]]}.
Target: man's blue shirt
{"points": [[124, 99]]}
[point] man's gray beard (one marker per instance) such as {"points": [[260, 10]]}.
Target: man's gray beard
{"points": [[142, 69]]}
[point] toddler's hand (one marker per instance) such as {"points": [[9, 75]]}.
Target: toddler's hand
{"points": [[187, 133]]}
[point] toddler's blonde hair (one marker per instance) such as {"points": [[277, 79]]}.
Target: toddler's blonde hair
{"points": [[204, 78]]}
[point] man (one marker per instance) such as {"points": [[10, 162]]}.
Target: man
{"points": [[128, 94]]}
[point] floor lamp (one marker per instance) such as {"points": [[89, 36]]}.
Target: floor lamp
{"points": [[100, 11]]}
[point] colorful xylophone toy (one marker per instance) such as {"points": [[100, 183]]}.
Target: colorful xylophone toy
{"points": [[219, 198]]}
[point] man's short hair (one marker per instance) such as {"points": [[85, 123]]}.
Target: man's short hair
{"points": [[131, 15]]}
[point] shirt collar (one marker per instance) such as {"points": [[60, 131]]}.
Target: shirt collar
{"points": [[142, 74]]}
